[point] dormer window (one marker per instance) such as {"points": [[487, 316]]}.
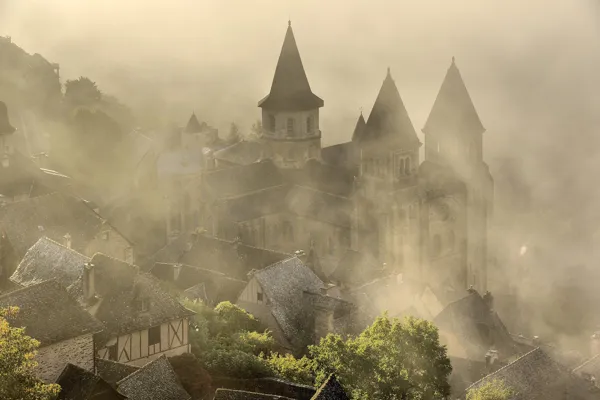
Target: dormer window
{"points": [[290, 126]]}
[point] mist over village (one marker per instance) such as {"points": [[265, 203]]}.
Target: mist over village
{"points": [[299, 200]]}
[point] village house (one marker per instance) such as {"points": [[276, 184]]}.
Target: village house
{"points": [[141, 320], [64, 329], [112, 371], [79, 384], [155, 380]]}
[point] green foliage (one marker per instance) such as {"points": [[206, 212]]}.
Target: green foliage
{"points": [[292, 369], [235, 319], [194, 378], [17, 352], [254, 342], [494, 390], [231, 362]]}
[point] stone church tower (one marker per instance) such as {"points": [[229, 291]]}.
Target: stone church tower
{"points": [[454, 140], [290, 112]]}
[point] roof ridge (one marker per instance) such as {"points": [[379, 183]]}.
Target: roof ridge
{"points": [[140, 369], [319, 191], [506, 366], [276, 264], [586, 363], [239, 196], [57, 244], [44, 282]]}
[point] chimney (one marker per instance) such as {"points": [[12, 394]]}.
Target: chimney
{"points": [[490, 359], [536, 341], [595, 344], [67, 240], [176, 271], [489, 300], [89, 283]]}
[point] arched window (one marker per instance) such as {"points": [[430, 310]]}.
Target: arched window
{"points": [[451, 240], [436, 247], [407, 167], [309, 124], [271, 122], [290, 126], [401, 167]]}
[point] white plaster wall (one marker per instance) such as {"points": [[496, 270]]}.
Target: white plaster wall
{"points": [[53, 358]]}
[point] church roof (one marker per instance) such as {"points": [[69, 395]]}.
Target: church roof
{"points": [[290, 89], [453, 110], [360, 130], [389, 119], [193, 126]]}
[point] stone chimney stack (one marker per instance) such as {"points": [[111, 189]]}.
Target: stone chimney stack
{"points": [[595, 344], [89, 283], [176, 271], [490, 360]]}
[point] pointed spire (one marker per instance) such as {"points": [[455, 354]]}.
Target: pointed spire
{"points": [[360, 130], [331, 389], [389, 117], [193, 126], [5, 126], [453, 110], [290, 89]]}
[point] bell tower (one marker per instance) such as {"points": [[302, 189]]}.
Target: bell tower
{"points": [[290, 112]]}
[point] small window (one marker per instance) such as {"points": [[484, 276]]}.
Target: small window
{"points": [[309, 124], [112, 352], [142, 305], [154, 335], [290, 126], [272, 123], [259, 297]]}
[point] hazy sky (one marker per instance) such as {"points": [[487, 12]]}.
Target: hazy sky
{"points": [[530, 65]]}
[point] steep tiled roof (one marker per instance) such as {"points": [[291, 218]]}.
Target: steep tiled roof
{"points": [[453, 111], [193, 125], [229, 394], [53, 216], [112, 371], [79, 384], [155, 380], [356, 268], [311, 203], [536, 375], [331, 390], [290, 89], [46, 260], [256, 204], [322, 177], [360, 130], [478, 327], [235, 181], [284, 284], [119, 286], [389, 119], [343, 155], [241, 153], [49, 314]]}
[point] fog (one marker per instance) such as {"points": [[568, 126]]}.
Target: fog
{"points": [[531, 68]]}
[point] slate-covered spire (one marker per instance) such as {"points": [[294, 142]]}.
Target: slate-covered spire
{"points": [[290, 90], [193, 126], [453, 110], [331, 389], [389, 118], [360, 130], [5, 126]]}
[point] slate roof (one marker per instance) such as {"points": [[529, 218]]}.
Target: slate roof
{"points": [[311, 203], [590, 367], [23, 176], [478, 327], [229, 394], [389, 119], [342, 155], [284, 284], [215, 285], [112, 371], [241, 153], [331, 390], [322, 177], [49, 314], [79, 384], [453, 110], [155, 380], [356, 268], [257, 204], [53, 215], [193, 125], [118, 285], [536, 375], [236, 181], [46, 260], [360, 130], [290, 89]]}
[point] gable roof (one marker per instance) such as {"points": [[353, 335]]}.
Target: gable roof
{"points": [[243, 152], [53, 215], [155, 380], [536, 375], [290, 89], [331, 390], [46, 260], [49, 314], [284, 284], [453, 110], [355, 268], [193, 125], [112, 371], [478, 327], [119, 285], [389, 119], [79, 384], [230, 394]]}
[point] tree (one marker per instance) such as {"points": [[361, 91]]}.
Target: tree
{"points": [[82, 92], [256, 130], [292, 369], [17, 352], [234, 135], [493, 390], [194, 378], [391, 359]]}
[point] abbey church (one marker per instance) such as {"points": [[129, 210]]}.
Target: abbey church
{"points": [[371, 198]]}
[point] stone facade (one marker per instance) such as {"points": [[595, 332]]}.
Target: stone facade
{"points": [[110, 242], [53, 358]]}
